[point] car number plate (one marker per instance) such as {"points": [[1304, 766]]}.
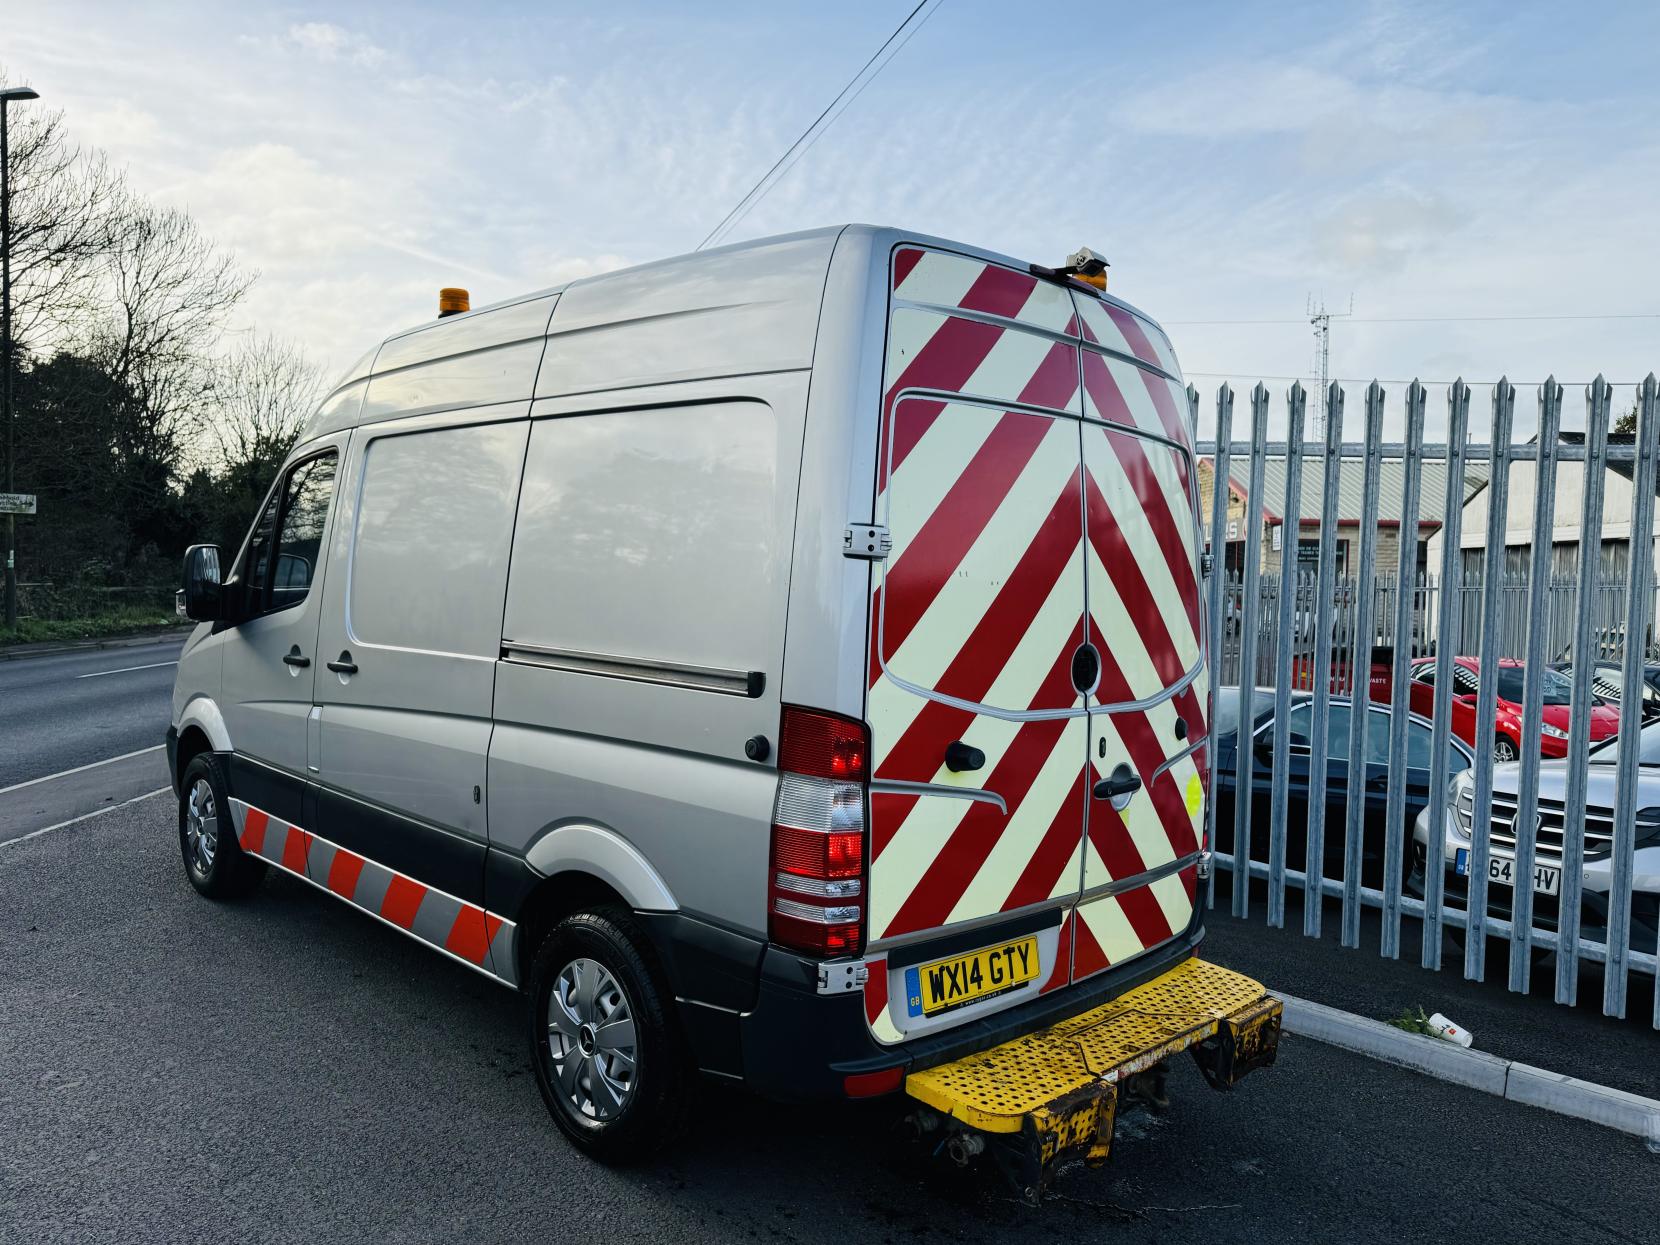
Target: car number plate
{"points": [[947, 984], [1547, 880]]}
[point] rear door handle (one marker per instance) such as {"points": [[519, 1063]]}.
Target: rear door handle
{"points": [[343, 664], [1122, 782], [293, 658]]}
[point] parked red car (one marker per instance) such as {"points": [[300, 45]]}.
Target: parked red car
{"points": [[1507, 739]]}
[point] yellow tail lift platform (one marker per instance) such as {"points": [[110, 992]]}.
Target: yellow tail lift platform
{"points": [[1053, 1095]]}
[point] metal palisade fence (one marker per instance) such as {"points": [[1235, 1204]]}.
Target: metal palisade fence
{"points": [[1304, 649]]}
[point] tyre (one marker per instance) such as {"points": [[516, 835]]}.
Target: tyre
{"points": [[1504, 750], [610, 1060], [213, 860]]}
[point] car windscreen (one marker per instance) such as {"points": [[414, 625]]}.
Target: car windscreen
{"points": [[1227, 708], [1648, 748], [1512, 682]]}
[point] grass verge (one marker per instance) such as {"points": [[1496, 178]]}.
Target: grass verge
{"points": [[68, 630], [1413, 1020]]}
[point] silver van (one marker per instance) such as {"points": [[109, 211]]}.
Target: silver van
{"points": [[784, 662]]}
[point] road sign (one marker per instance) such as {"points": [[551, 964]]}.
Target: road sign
{"points": [[17, 503]]}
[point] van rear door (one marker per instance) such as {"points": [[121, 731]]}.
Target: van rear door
{"points": [[1035, 627], [1147, 713], [977, 615]]}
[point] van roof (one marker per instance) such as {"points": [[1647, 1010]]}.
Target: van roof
{"points": [[759, 299]]}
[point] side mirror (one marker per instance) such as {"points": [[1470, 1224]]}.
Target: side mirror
{"points": [[203, 592]]}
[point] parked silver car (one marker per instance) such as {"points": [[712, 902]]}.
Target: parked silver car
{"points": [[1547, 869]]}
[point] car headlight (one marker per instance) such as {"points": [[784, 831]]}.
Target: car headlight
{"points": [[1552, 731], [1648, 827], [1648, 835]]}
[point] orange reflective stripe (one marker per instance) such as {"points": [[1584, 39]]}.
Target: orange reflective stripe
{"points": [[253, 831], [468, 937], [403, 901]]}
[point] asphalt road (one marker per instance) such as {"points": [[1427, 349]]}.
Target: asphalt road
{"points": [[63, 710], [285, 1069]]}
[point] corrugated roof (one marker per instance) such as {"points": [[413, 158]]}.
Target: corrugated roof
{"points": [[1351, 480]]}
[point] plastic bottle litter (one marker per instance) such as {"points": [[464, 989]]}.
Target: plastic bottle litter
{"points": [[1447, 1029]]}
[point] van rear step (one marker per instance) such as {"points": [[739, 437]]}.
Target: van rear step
{"points": [[1051, 1096]]}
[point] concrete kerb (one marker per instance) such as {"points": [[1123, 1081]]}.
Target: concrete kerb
{"points": [[1504, 1078]]}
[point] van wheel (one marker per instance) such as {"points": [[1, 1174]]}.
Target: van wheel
{"points": [[610, 1061], [214, 861]]}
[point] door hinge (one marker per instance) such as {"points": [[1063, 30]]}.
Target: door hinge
{"points": [[842, 976], [869, 541]]}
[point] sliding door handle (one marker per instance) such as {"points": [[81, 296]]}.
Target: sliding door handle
{"points": [[343, 664]]}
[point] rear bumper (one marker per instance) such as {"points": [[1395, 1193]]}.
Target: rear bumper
{"points": [[1593, 927], [1054, 1094], [798, 1044]]}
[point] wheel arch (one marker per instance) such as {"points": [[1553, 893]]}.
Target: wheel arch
{"points": [[193, 741], [553, 899], [202, 714], [584, 866]]}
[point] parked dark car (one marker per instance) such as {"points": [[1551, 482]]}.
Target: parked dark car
{"points": [[1419, 735], [1607, 678]]}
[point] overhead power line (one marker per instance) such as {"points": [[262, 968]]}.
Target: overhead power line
{"points": [[1639, 315], [825, 119]]}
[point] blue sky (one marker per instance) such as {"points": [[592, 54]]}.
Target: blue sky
{"points": [[1229, 159]]}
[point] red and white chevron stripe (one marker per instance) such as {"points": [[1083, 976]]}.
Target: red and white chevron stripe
{"points": [[1000, 519], [460, 929]]}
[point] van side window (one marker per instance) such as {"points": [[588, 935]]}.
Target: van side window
{"points": [[288, 537], [631, 519], [429, 557], [300, 537], [257, 565]]}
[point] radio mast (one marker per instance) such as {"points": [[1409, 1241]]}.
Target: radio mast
{"points": [[1321, 319]]}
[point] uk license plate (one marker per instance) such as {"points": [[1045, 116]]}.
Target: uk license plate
{"points": [[948, 984], [1547, 880]]}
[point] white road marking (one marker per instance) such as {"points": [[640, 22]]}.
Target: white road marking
{"points": [[81, 769], [98, 674], [97, 812]]}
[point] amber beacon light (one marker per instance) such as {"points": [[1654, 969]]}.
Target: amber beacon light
{"points": [[452, 301]]}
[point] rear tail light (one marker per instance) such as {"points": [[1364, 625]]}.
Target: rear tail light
{"points": [[820, 860], [870, 1084]]}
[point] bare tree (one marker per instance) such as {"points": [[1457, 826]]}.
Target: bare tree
{"points": [[266, 391], [65, 218], [168, 290]]}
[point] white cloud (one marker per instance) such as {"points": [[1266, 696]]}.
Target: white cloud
{"points": [[1395, 154], [329, 42]]}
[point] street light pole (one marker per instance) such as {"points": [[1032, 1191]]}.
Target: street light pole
{"points": [[18, 93]]}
